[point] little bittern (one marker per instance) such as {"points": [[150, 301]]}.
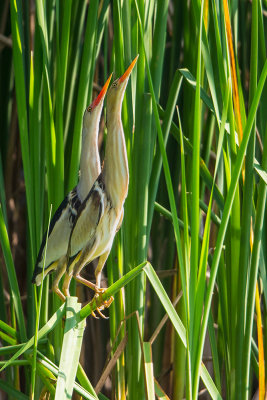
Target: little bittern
{"points": [[101, 213], [63, 219]]}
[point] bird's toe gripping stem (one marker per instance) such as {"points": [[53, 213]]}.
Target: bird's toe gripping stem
{"points": [[101, 304]]}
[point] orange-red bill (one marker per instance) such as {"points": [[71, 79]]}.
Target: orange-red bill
{"points": [[129, 70], [101, 94]]}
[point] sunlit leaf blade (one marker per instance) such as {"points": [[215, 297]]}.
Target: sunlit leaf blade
{"points": [[161, 395], [262, 173], [71, 348], [149, 374], [177, 324], [5, 245], [228, 204], [53, 321], [51, 368]]}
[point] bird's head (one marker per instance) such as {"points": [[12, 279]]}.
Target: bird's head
{"points": [[117, 89], [93, 111]]}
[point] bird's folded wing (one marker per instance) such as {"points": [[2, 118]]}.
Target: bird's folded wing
{"points": [[86, 222], [59, 232]]}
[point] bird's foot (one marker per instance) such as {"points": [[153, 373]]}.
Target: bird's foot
{"points": [[66, 292], [101, 304], [99, 298], [66, 284], [59, 293], [100, 313]]}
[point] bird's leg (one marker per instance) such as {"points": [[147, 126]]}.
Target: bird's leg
{"points": [[85, 282], [61, 268], [101, 305], [74, 270], [58, 292], [99, 291], [69, 273], [98, 295], [78, 278], [100, 265], [66, 284]]}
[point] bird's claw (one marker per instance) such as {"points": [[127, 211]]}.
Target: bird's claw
{"points": [[99, 300], [100, 313], [98, 290], [102, 304], [108, 302]]}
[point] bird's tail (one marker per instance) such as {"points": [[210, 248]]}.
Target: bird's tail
{"points": [[39, 274]]}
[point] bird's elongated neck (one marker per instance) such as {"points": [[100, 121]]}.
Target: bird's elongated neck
{"points": [[90, 166], [115, 170]]}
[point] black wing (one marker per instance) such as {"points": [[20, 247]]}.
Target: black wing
{"points": [[67, 211]]}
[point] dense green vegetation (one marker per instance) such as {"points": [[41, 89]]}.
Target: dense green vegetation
{"points": [[189, 262]]}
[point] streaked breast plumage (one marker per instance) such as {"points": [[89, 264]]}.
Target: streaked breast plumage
{"points": [[95, 225]]}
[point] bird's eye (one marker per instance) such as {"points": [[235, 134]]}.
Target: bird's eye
{"points": [[89, 109], [114, 84]]}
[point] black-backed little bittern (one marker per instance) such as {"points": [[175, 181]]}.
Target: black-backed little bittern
{"points": [[64, 217], [100, 215]]}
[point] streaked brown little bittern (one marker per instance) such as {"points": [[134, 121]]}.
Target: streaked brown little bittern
{"points": [[63, 219], [101, 213]]}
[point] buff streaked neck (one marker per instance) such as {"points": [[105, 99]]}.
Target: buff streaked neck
{"points": [[115, 170], [90, 166], [90, 161]]}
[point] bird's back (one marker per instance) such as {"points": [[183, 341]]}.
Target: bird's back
{"points": [[87, 220]]}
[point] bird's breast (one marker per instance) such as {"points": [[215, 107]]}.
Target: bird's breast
{"points": [[106, 229]]}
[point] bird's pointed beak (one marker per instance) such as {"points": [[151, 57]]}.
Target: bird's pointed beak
{"points": [[101, 95], [128, 71]]}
